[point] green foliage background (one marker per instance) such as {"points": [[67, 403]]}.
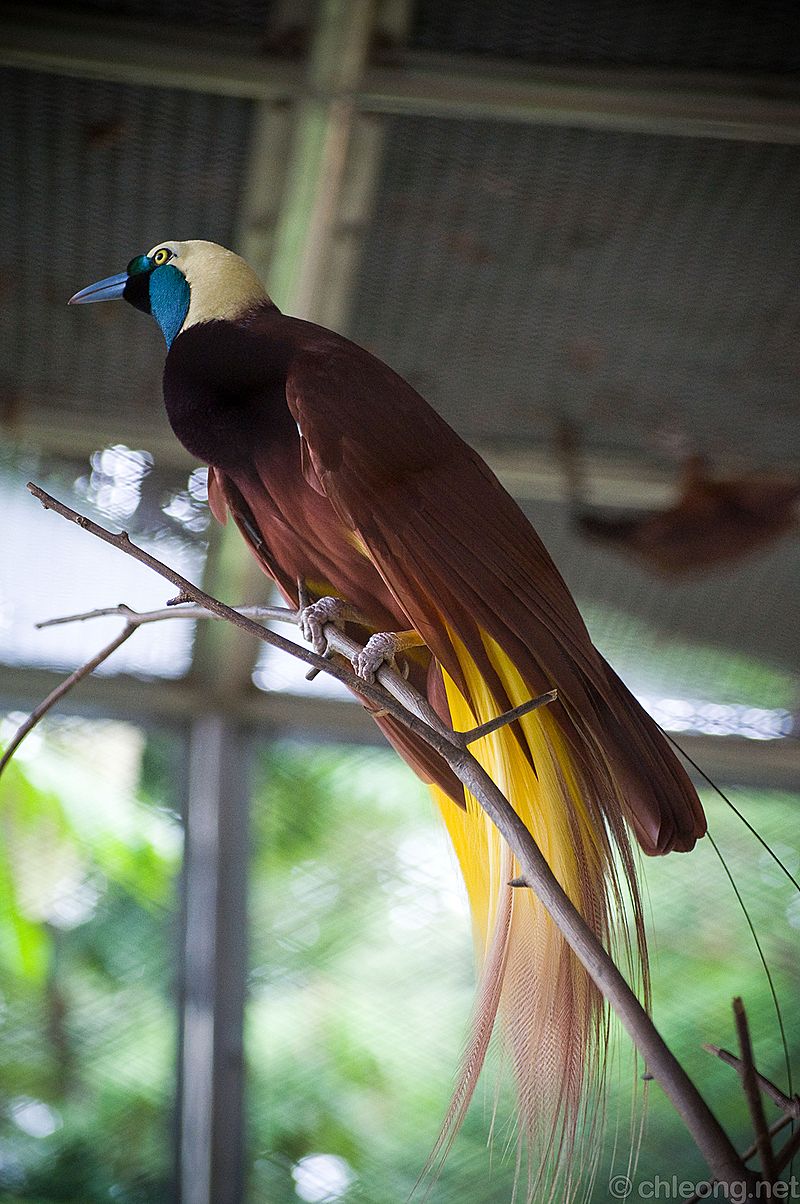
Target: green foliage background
{"points": [[88, 862], [356, 1024], [361, 977]]}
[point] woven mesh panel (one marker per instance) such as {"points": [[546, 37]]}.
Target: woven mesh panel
{"points": [[361, 983], [90, 175], [644, 285], [240, 16], [90, 865], [710, 638], [680, 33]]}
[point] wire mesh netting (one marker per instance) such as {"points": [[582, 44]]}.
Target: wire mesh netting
{"points": [[726, 636], [92, 174], [360, 980], [361, 984], [643, 33], [90, 855], [246, 17], [642, 286]]}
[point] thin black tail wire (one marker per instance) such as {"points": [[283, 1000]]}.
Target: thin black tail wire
{"points": [[735, 811], [767, 971], [740, 900]]}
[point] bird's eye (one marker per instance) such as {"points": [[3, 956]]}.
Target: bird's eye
{"points": [[162, 255]]}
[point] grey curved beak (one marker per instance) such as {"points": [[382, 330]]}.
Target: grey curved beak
{"points": [[104, 290]]}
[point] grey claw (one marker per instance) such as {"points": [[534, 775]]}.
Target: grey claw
{"points": [[379, 649], [313, 619]]}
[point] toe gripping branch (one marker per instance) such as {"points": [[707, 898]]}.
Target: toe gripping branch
{"points": [[382, 648], [313, 616]]}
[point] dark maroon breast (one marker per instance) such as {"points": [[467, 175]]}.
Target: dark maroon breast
{"points": [[225, 391], [225, 395]]}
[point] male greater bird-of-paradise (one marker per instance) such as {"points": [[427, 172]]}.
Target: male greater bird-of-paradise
{"points": [[338, 473]]}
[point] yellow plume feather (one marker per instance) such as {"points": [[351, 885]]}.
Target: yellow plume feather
{"points": [[554, 1024]]}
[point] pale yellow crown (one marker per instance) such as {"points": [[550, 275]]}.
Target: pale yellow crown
{"points": [[221, 284]]}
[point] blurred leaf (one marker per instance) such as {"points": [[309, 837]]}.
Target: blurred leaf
{"points": [[87, 881]]}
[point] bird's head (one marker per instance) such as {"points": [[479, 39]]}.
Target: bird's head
{"points": [[181, 284]]}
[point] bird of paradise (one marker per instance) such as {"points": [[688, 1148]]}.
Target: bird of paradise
{"points": [[338, 473]]}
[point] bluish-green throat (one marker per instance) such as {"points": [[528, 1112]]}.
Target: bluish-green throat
{"points": [[169, 299]]}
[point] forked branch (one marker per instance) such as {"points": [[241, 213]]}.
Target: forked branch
{"points": [[64, 687], [414, 712], [337, 642], [790, 1104], [752, 1092]]}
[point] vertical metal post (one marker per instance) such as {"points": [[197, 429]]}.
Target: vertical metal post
{"points": [[318, 154], [211, 1163], [308, 189]]}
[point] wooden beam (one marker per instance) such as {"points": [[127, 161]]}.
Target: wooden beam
{"points": [[215, 958], [749, 108], [529, 471], [758, 764]]}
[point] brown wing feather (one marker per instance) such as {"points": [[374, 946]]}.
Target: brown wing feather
{"points": [[456, 551], [370, 490], [253, 510]]}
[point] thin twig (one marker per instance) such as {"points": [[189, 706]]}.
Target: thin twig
{"points": [[724, 1163], [408, 698], [281, 614], [789, 1151], [485, 729], [61, 689], [269, 614], [790, 1104], [775, 1128], [752, 1093], [704, 1189]]}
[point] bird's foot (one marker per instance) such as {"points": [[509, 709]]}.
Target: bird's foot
{"points": [[379, 649], [312, 620]]}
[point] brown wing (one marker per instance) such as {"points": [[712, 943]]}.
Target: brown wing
{"points": [[248, 503], [457, 553]]}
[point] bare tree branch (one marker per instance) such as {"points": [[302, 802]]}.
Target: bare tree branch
{"points": [[387, 677], [790, 1104], [269, 614], [703, 1189], [752, 1092], [725, 1164], [493, 725], [775, 1128], [789, 1151], [337, 641], [61, 689]]}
